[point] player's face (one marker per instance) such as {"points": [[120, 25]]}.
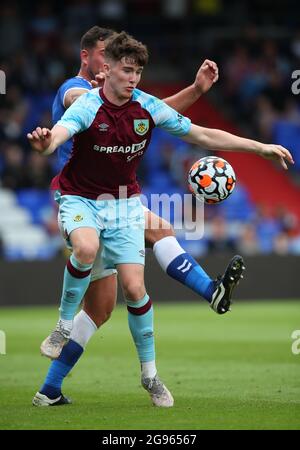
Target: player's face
{"points": [[123, 76], [95, 59]]}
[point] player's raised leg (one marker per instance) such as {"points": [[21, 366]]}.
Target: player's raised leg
{"points": [[225, 284], [181, 266], [140, 319]]}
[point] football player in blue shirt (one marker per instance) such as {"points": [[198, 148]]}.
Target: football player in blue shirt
{"points": [[120, 101], [100, 297]]}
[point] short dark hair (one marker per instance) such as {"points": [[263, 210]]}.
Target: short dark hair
{"points": [[123, 45], [93, 35]]}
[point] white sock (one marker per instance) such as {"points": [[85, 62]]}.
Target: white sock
{"points": [[83, 328], [166, 250], [148, 369]]}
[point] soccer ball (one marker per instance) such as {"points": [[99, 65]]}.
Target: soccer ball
{"points": [[211, 179]]}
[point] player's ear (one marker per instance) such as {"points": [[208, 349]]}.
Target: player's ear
{"points": [[84, 56], [106, 69]]}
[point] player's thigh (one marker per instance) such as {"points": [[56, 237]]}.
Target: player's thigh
{"points": [[131, 278], [76, 214], [156, 228], [123, 246], [124, 241], [100, 299]]}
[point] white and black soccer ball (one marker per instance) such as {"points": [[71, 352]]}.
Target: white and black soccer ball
{"points": [[211, 179]]}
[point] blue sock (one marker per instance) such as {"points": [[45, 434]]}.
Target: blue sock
{"points": [[140, 319], [186, 270], [76, 281], [60, 368]]}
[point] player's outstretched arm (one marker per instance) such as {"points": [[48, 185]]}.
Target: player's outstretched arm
{"points": [[213, 139], [73, 95], [46, 141], [206, 76]]}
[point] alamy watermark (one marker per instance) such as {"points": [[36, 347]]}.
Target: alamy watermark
{"points": [[2, 82], [296, 84], [186, 214], [296, 344], [2, 343]]}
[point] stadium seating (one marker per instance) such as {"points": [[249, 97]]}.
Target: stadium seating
{"points": [[21, 234], [288, 135], [36, 201], [7, 198], [24, 243]]}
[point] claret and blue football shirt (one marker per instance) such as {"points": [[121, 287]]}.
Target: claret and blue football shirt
{"points": [[109, 141]]}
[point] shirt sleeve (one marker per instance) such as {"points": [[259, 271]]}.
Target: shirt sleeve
{"points": [[74, 84], [164, 116], [81, 114], [170, 120]]}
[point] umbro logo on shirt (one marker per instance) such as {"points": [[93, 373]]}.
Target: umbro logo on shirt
{"points": [[103, 126], [179, 118]]}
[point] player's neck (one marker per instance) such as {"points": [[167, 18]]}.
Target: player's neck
{"points": [[112, 97], [84, 74]]}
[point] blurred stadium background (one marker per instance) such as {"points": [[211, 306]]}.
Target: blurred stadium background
{"points": [[257, 47]]}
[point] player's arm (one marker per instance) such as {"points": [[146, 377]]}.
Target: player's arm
{"points": [[72, 95], [77, 118], [46, 141], [213, 139], [206, 76]]}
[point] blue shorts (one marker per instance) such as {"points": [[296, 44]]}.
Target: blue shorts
{"points": [[119, 224]]}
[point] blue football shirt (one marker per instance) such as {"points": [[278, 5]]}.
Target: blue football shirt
{"points": [[58, 110]]}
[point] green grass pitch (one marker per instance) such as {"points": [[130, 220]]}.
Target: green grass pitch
{"points": [[235, 371]]}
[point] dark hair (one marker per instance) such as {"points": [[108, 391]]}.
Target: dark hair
{"points": [[123, 45], [93, 35]]}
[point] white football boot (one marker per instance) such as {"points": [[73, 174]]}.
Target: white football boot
{"points": [[54, 343], [42, 400], [159, 394]]}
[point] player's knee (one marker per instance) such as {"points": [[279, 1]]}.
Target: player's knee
{"points": [[155, 235], [134, 290], [86, 252]]}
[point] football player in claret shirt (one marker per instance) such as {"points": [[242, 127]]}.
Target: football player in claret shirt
{"points": [[89, 196], [100, 297]]}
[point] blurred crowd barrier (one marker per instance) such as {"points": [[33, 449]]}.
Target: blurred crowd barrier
{"points": [[266, 277]]}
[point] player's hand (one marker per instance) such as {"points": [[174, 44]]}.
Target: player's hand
{"points": [[277, 153], [40, 139], [206, 76], [99, 80]]}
